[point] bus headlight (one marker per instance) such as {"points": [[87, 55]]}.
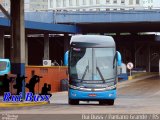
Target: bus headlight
{"points": [[111, 87], [73, 87], [111, 84]]}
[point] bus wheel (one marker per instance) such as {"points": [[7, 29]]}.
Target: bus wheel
{"points": [[103, 102], [106, 102], [110, 102], [73, 102]]}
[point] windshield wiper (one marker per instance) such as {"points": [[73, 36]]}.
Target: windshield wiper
{"points": [[114, 59], [100, 74], [87, 67]]}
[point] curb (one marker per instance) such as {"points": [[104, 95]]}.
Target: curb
{"points": [[22, 104], [123, 84], [141, 75]]}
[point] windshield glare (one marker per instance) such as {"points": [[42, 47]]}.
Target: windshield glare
{"points": [[92, 63]]}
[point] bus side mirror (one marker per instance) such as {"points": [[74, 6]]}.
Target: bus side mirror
{"points": [[119, 59], [66, 55]]}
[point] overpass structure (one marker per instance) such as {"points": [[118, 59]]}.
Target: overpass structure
{"points": [[103, 21], [113, 21], [85, 21], [41, 27]]}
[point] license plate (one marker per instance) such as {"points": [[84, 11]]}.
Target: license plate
{"points": [[92, 95]]}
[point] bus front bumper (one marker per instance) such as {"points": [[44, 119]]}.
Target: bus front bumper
{"points": [[96, 95]]}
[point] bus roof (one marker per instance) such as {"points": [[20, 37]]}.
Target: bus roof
{"points": [[92, 41]]}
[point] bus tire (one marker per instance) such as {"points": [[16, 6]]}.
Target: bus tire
{"points": [[103, 102], [73, 102], [110, 102], [106, 102]]}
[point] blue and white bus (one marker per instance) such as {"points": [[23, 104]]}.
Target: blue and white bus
{"points": [[92, 69], [5, 66]]}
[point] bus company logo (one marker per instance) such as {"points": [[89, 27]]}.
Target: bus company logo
{"points": [[28, 97], [77, 49]]}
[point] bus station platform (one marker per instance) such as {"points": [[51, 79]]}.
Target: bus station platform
{"points": [[21, 104]]}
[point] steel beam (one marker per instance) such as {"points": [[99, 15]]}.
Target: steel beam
{"points": [[46, 46]]}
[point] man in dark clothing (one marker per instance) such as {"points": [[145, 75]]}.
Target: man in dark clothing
{"points": [[6, 82], [45, 90], [35, 79], [19, 80]]}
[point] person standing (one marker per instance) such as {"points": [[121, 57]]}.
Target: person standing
{"points": [[19, 80], [6, 82], [35, 79]]}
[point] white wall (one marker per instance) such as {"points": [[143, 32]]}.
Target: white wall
{"points": [[102, 3], [151, 3]]}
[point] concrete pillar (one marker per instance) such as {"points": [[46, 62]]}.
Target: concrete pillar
{"points": [[2, 45], [135, 54], [66, 42], [46, 47], [18, 39], [26, 49], [149, 59]]}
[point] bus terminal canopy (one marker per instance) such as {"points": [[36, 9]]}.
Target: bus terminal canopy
{"points": [[39, 26]]}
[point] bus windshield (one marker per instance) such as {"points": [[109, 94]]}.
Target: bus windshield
{"points": [[92, 63], [3, 65]]}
